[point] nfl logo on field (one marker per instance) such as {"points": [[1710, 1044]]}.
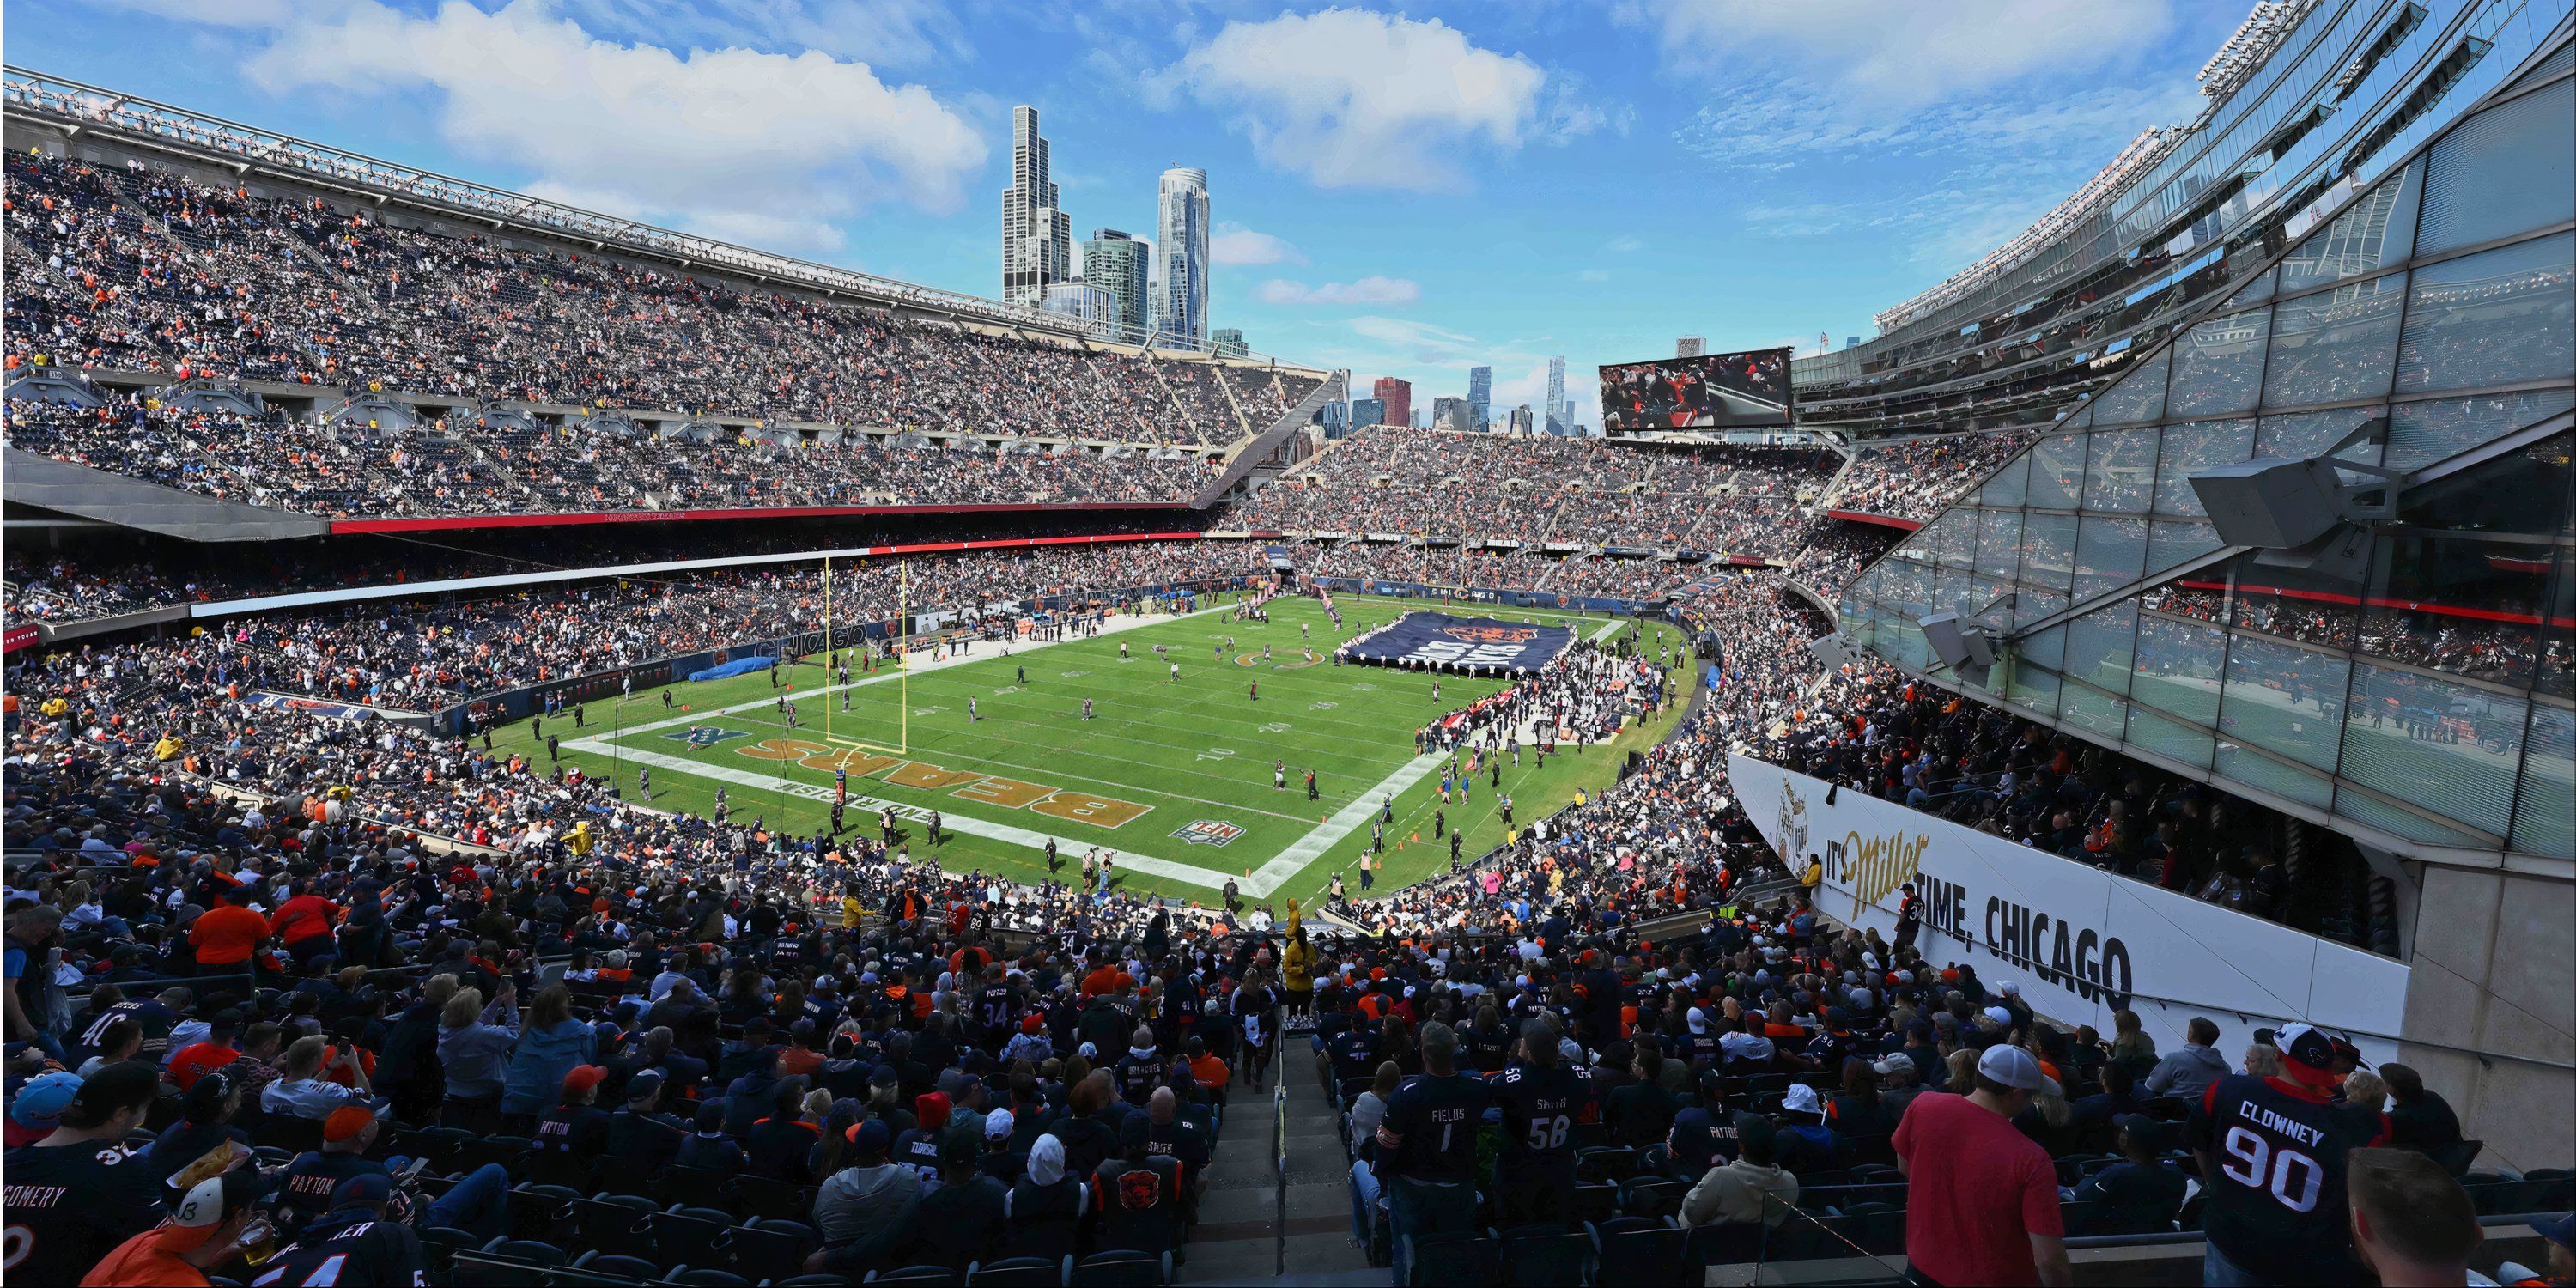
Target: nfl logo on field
{"points": [[1209, 832], [701, 737]]}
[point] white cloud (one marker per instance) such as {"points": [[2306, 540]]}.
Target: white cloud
{"points": [[1901, 52], [1367, 290], [1351, 98], [887, 33], [730, 142], [1235, 244], [1593, 275], [1624, 245]]}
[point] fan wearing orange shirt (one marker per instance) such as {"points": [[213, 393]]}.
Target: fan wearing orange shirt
{"points": [[228, 935]]}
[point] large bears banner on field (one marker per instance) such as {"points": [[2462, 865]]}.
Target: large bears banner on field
{"points": [[1441, 642], [2081, 942]]}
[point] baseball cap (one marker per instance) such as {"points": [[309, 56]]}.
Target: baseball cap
{"points": [[346, 1122], [711, 1119], [1032, 1022], [1698, 1020], [1889, 1065], [1999, 1015], [959, 1146], [2015, 1068], [643, 1084], [1802, 1100], [118, 1086], [204, 1098], [871, 1138], [38, 1108], [213, 1200], [1135, 1131], [2150, 1134], [2307, 1055], [2561, 1231], [998, 1125], [584, 1077], [363, 1188], [2009, 988], [1046, 1160]]}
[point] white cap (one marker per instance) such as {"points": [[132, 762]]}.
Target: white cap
{"points": [[1999, 1015], [2009, 988], [1802, 1100], [1698, 1020], [2014, 1067]]}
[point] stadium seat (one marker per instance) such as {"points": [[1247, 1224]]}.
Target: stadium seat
{"points": [[2455, 1159], [1535, 1260], [1455, 1261], [505, 1263], [696, 1187], [1606, 1165], [686, 1277], [554, 1167], [687, 1236], [763, 1196], [1633, 1251], [1724, 1244], [925, 1275], [766, 1248], [1652, 1197], [1021, 1272], [618, 1267], [536, 1209], [609, 1222], [1122, 1270], [1595, 1203]]}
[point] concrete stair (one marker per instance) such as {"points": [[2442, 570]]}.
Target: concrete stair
{"points": [[1240, 1237]]}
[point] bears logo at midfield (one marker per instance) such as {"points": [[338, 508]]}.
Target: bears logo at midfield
{"points": [[1491, 634], [1208, 831]]}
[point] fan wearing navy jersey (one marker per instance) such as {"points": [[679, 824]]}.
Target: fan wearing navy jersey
{"points": [[997, 1008], [1426, 1145], [2272, 1155], [360, 1240], [1542, 1100], [74, 1196]]}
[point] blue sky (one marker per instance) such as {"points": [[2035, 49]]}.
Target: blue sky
{"points": [[1398, 191]]}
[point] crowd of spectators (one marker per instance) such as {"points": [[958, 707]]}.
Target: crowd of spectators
{"points": [[462, 465], [1917, 477], [1587, 492], [135, 268]]}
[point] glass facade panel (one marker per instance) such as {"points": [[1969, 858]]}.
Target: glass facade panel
{"points": [[2109, 553], [2457, 604], [2099, 647], [2558, 643], [2506, 170], [2285, 699], [2353, 803], [2178, 668], [2087, 709], [2301, 435], [2174, 542], [1999, 544], [2136, 398], [2187, 450], [2254, 769], [2057, 472], [2369, 235], [2498, 317], [2446, 746], [2296, 603], [2007, 486], [2218, 365], [2120, 471], [2151, 732], [2034, 673], [2048, 550], [2545, 821], [2031, 603], [2336, 346], [2423, 433], [1954, 538]]}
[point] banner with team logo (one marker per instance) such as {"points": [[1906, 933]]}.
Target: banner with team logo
{"points": [[1443, 642], [2081, 942]]}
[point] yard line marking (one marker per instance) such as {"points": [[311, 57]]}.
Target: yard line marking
{"points": [[1310, 847]]}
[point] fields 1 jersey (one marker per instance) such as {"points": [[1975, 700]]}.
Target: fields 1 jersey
{"points": [[2276, 1204], [1429, 1132], [1540, 1109]]}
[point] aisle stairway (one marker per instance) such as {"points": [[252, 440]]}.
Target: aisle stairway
{"points": [[1238, 1238]]}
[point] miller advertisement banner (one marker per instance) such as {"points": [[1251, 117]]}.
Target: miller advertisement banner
{"points": [[2081, 942]]}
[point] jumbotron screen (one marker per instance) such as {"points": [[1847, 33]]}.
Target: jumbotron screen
{"points": [[1715, 391]]}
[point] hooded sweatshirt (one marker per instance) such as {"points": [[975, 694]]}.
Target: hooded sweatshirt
{"points": [[1736, 1192], [861, 1202]]}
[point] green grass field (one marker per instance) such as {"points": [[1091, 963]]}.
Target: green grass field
{"points": [[1160, 763]]}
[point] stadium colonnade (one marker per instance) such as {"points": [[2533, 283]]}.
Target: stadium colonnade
{"points": [[270, 543]]}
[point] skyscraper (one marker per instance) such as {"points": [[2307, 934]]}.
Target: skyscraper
{"points": [[1557, 410], [1690, 346], [1181, 259], [1398, 397], [1093, 307], [1368, 411], [1117, 263], [1227, 342], [1037, 236], [1480, 395], [1453, 414]]}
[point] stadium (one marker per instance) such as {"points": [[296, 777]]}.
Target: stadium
{"points": [[544, 748]]}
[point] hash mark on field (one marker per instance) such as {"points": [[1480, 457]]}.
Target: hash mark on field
{"points": [[1326, 706], [1363, 688], [1072, 674], [927, 711], [1216, 753], [1277, 726]]}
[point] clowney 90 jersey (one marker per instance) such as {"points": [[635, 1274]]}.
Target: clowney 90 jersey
{"points": [[2275, 1182]]}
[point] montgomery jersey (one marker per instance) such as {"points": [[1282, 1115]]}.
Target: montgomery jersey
{"points": [[1540, 1109], [68, 1207], [350, 1248], [2276, 1203], [1429, 1132]]}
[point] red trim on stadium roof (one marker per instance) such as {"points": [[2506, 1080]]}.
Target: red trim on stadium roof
{"points": [[1882, 520], [455, 522], [2381, 601]]}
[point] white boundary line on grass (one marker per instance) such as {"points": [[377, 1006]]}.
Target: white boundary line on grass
{"points": [[1265, 879]]}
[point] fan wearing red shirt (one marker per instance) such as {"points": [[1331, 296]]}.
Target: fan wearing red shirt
{"points": [[217, 1050], [1982, 1197], [304, 923]]}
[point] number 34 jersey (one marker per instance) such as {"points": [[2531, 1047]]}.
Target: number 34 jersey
{"points": [[2277, 1151], [1540, 1108]]}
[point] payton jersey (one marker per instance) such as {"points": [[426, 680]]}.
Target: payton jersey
{"points": [[997, 1009], [1429, 1132], [2276, 1202], [1540, 1109]]}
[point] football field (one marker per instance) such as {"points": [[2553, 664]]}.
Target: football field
{"points": [[1176, 777]]}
